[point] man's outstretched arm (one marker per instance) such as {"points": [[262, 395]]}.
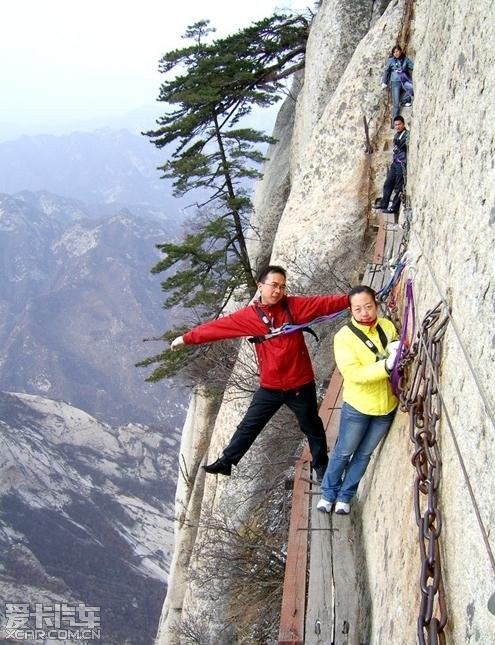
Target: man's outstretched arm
{"points": [[241, 323]]}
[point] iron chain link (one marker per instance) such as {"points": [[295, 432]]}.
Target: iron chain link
{"points": [[419, 397]]}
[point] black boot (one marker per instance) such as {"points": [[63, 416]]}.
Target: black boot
{"points": [[219, 467]]}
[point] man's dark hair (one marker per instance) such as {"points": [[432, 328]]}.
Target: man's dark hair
{"points": [[271, 268], [361, 288], [399, 118]]}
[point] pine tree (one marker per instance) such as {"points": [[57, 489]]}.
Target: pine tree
{"points": [[216, 86]]}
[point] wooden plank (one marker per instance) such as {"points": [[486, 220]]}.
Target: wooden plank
{"points": [[374, 278], [319, 612], [387, 244], [294, 591], [332, 606], [380, 240], [332, 427], [330, 404], [398, 237], [375, 275], [332, 611], [393, 238], [345, 582], [389, 238]]}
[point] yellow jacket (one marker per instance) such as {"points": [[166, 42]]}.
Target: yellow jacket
{"points": [[366, 382]]}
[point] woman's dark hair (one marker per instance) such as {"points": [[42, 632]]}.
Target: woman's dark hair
{"points": [[402, 54], [271, 268], [361, 288]]}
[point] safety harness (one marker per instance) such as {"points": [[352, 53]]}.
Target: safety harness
{"points": [[369, 343], [275, 331]]}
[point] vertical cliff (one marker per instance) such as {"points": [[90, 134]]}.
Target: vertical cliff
{"points": [[311, 215], [452, 189]]}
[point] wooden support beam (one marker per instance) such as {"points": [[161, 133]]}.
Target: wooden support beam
{"points": [[294, 591], [330, 406]]}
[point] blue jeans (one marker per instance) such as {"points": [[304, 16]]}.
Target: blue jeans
{"points": [[359, 435]]}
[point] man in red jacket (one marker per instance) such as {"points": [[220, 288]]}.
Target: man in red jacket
{"points": [[285, 370]]}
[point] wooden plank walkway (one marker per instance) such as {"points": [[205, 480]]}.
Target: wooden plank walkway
{"points": [[332, 609], [321, 597], [346, 617]]}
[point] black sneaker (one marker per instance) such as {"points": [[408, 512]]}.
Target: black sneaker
{"points": [[377, 206], [219, 467]]}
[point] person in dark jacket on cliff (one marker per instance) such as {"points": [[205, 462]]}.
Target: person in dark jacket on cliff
{"points": [[394, 181], [397, 75], [285, 370]]}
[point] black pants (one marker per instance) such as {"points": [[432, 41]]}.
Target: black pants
{"points": [[393, 183], [265, 403]]}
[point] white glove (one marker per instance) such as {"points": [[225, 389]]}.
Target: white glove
{"points": [[389, 362], [384, 85], [176, 343], [393, 346]]}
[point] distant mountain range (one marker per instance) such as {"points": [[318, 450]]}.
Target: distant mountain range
{"points": [[136, 121], [86, 514], [76, 300], [101, 167], [88, 450]]}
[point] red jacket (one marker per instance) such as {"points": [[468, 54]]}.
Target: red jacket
{"points": [[283, 361]]}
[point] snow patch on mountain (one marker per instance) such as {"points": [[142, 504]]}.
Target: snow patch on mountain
{"points": [[77, 241]]}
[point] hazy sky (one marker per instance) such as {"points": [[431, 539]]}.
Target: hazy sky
{"points": [[68, 61]]}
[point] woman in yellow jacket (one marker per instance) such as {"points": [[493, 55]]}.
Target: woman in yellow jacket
{"points": [[365, 351]]}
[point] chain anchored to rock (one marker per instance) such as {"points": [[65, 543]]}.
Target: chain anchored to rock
{"points": [[420, 398]]}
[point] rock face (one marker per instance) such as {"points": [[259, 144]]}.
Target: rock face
{"points": [[189, 494], [323, 222], [452, 190], [272, 190], [329, 49], [319, 237], [86, 513]]}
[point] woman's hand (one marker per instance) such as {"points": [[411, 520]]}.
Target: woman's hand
{"points": [[390, 360], [393, 346]]}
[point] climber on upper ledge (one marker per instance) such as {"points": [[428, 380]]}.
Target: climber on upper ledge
{"points": [[397, 74], [285, 370], [394, 181]]}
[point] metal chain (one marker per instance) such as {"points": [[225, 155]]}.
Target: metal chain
{"points": [[419, 397]]}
